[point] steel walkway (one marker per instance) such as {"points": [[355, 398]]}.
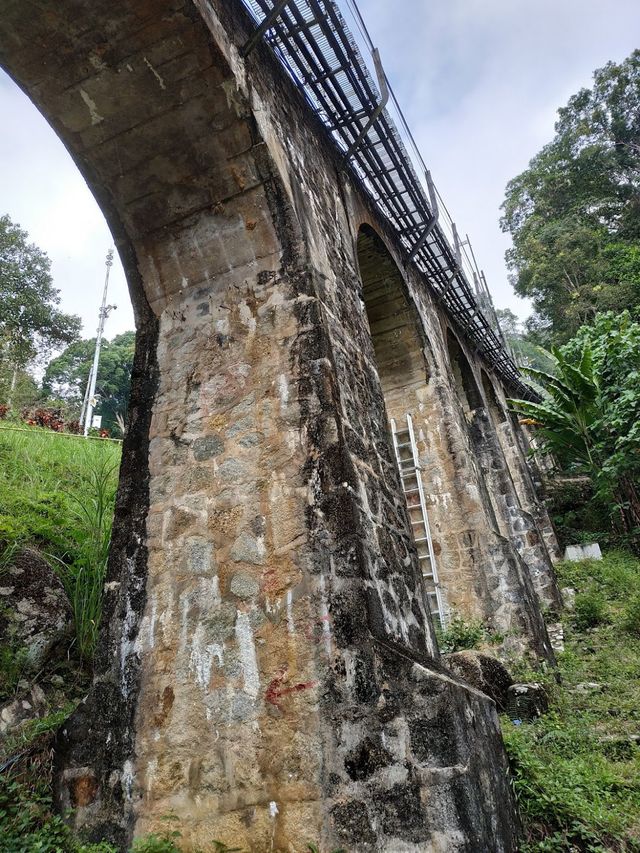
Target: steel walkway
{"points": [[314, 44]]}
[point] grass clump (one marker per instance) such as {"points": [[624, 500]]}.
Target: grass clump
{"points": [[57, 495], [590, 610], [461, 635], [577, 770]]}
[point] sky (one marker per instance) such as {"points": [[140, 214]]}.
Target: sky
{"points": [[479, 82]]}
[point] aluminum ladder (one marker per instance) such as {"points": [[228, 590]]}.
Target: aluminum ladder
{"points": [[404, 445]]}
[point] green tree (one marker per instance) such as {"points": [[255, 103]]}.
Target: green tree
{"points": [[526, 352], [66, 376], [574, 214], [589, 418], [30, 322]]}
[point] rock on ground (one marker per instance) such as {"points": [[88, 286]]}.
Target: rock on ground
{"points": [[34, 610], [483, 672]]}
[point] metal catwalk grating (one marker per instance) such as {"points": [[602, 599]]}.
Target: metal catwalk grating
{"points": [[315, 46]]}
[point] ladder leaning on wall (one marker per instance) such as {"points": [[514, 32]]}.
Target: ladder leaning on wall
{"points": [[404, 445]]}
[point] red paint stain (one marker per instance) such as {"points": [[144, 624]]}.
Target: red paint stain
{"points": [[276, 690]]}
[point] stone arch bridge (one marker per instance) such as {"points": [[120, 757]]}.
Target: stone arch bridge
{"points": [[268, 671]]}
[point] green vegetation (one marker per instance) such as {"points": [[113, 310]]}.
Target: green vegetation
{"points": [[573, 214], [32, 326], [589, 418], [460, 635], [577, 769], [57, 495], [30, 322], [66, 377], [28, 825]]}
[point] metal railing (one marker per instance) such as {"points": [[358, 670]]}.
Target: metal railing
{"points": [[314, 44]]}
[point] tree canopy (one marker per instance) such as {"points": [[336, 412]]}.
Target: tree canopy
{"points": [[66, 376], [574, 213], [30, 321]]}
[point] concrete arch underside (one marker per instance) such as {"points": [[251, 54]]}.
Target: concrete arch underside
{"points": [[267, 668]]}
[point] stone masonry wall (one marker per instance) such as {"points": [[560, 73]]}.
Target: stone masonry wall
{"points": [[480, 564]]}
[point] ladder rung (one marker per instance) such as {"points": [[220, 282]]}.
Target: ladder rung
{"points": [[410, 492], [421, 540]]}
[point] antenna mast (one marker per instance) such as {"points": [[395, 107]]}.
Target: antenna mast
{"points": [[105, 310]]}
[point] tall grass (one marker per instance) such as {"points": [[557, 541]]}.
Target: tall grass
{"points": [[57, 494], [576, 770]]}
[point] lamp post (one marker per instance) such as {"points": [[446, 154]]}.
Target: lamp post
{"points": [[105, 310]]}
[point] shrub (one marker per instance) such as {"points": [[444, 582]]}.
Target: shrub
{"points": [[28, 825], [590, 610], [460, 635], [13, 660], [165, 843], [57, 495]]}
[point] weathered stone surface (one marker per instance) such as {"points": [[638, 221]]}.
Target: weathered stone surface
{"points": [[569, 598], [556, 635], [587, 687], [527, 701], [34, 610], [24, 708], [575, 553], [484, 672]]}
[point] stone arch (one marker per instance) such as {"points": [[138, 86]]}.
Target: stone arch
{"points": [[498, 412], [399, 347], [395, 327], [465, 380]]}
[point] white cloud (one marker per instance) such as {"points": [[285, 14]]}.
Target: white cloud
{"points": [[43, 191]]}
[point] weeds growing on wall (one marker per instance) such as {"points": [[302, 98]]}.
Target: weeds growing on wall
{"points": [[577, 770], [460, 635]]}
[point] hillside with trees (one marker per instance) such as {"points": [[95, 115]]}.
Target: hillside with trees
{"points": [[44, 363], [574, 218], [574, 213]]}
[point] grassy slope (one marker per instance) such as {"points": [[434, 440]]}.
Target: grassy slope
{"points": [[46, 478], [577, 770], [56, 495]]}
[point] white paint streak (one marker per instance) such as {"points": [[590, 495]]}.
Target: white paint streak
{"points": [[248, 658], [127, 779], [202, 657], [273, 809], [324, 614], [290, 623], [152, 623], [283, 388], [152, 768], [154, 72], [96, 118]]}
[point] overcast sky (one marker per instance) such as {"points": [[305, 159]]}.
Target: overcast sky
{"points": [[479, 82]]}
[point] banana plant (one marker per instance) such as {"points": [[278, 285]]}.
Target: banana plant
{"points": [[568, 417]]}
